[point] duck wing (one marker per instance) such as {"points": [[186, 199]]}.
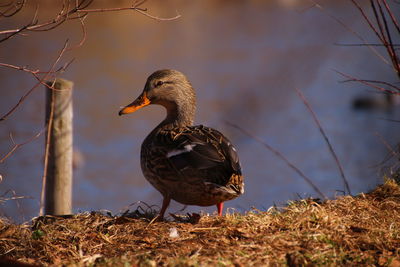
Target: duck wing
{"points": [[205, 152]]}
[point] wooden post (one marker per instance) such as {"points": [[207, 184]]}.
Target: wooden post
{"points": [[58, 178]]}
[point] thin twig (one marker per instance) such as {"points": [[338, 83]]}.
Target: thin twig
{"points": [[390, 48], [42, 80], [82, 21], [384, 38], [65, 14], [394, 21], [7, 5], [14, 33], [69, 14], [344, 25], [16, 7], [157, 18], [391, 120], [48, 25], [393, 153], [368, 21], [382, 32], [18, 145], [339, 165], [111, 9], [22, 99], [36, 72], [26, 69], [339, 44], [368, 84], [3, 197], [136, 8], [279, 155], [389, 147], [46, 153], [375, 81]]}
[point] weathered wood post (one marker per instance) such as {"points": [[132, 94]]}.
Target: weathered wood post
{"points": [[58, 181]]}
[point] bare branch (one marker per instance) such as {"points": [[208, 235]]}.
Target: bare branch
{"points": [[279, 155], [78, 11], [390, 48], [22, 99], [46, 153], [157, 18], [13, 33], [17, 8], [388, 9], [301, 95], [18, 145], [64, 14], [42, 80], [379, 82], [368, 20], [351, 31], [135, 7], [4, 198], [392, 152], [339, 44], [370, 84], [37, 71], [389, 147], [82, 21], [19, 68], [8, 4], [382, 33], [112, 9], [391, 120]]}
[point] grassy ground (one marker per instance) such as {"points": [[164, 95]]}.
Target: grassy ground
{"points": [[348, 231]]}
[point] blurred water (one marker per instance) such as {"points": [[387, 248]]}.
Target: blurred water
{"points": [[243, 57]]}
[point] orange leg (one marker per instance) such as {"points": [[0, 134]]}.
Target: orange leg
{"points": [[165, 204], [220, 207]]}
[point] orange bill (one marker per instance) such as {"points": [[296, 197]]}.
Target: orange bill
{"points": [[140, 102]]}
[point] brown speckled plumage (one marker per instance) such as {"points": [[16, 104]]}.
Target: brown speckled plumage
{"points": [[194, 165]]}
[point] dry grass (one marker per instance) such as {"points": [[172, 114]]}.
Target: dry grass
{"points": [[362, 230]]}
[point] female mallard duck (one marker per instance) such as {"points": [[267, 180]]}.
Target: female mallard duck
{"points": [[194, 165]]}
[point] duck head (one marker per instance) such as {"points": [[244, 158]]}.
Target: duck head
{"points": [[170, 89]]}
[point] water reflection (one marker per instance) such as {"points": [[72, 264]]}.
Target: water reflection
{"points": [[244, 58]]}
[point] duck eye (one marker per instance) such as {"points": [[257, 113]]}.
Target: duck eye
{"points": [[159, 83]]}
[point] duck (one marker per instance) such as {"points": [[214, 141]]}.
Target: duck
{"points": [[187, 163], [385, 102]]}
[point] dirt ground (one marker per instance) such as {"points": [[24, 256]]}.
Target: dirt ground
{"points": [[348, 231]]}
